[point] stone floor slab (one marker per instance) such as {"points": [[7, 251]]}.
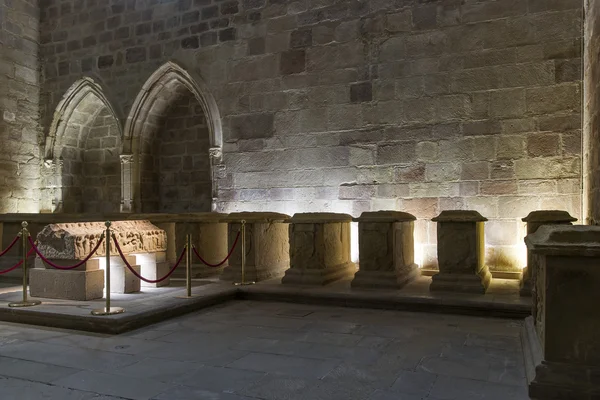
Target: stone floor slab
{"points": [[113, 385], [294, 366]]}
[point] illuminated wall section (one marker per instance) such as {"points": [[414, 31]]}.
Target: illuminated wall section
{"points": [[19, 106], [349, 106]]}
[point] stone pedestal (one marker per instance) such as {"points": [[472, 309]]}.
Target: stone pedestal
{"points": [[122, 280], [153, 266], [319, 249], [85, 282], [534, 220], [562, 342], [461, 253], [267, 246], [209, 236], [386, 250]]}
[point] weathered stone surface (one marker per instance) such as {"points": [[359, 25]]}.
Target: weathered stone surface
{"points": [[566, 364], [69, 285], [122, 280], [461, 252], [153, 267], [386, 250], [534, 220], [319, 249], [75, 241], [266, 246]]}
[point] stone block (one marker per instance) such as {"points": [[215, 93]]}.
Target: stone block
{"points": [[461, 253], [386, 250], [252, 126], [319, 249], [292, 62], [122, 280], [266, 246], [68, 285], [562, 338], [153, 266], [535, 220], [91, 265]]}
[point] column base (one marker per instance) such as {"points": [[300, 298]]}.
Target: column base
{"points": [[385, 279], [318, 277], [525, 284], [67, 285], [255, 274], [555, 381], [463, 283]]}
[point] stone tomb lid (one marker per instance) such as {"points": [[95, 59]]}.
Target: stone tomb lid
{"points": [[385, 216], [575, 240], [549, 216], [187, 217], [318, 218], [459, 216], [74, 241], [251, 216]]}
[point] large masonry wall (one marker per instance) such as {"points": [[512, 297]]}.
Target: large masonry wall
{"points": [[592, 113], [353, 105], [19, 106]]}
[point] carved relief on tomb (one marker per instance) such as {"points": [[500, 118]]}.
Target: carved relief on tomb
{"points": [[75, 241]]}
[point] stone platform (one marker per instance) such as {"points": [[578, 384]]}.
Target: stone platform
{"points": [[153, 305]]}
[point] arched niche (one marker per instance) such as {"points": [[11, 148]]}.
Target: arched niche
{"points": [[172, 144], [81, 168]]}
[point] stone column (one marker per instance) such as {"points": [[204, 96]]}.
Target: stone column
{"points": [[126, 182], [319, 249], [386, 250], [267, 246], [534, 220], [461, 253], [209, 236], [562, 343], [48, 186]]}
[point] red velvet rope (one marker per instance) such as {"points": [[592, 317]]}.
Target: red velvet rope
{"points": [[10, 246], [222, 262], [79, 264], [17, 265], [141, 277]]}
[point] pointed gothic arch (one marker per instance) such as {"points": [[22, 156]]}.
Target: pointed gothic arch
{"points": [[158, 94], [80, 170]]}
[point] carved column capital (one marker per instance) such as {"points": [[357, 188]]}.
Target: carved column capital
{"points": [[216, 155], [126, 158]]}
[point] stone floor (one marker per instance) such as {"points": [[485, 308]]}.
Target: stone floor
{"points": [[245, 350]]}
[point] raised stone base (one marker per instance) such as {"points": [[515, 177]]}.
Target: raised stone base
{"points": [[204, 271], [68, 285], [385, 279], [153, 271], [123, 281], [251, 274], [555, 381], [298, 276], [464, 283]]}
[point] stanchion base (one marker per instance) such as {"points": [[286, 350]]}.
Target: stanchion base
{"points": [[28, 303], [243, 283], [110, 311]]}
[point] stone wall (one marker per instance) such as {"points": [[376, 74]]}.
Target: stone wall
{"points": [[90, 148], [19, 106], [592, 113], [183, 169], [355, 105]]}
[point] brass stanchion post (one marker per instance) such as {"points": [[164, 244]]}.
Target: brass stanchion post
{"points": [[25, 303], [243, 282], [108, 310], [188, 264]]}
